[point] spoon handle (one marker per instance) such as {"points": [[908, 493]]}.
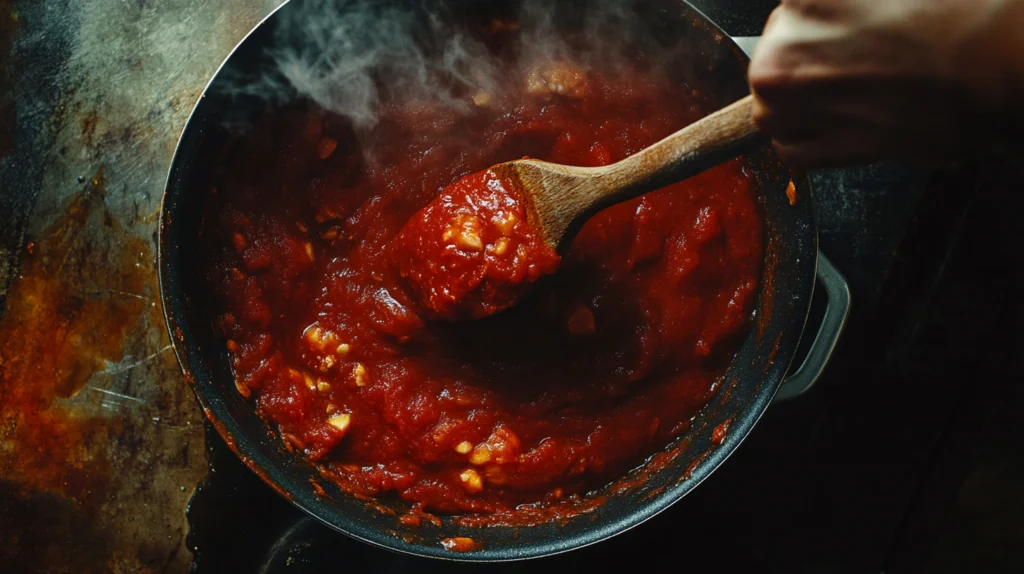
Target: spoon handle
{"points": [[698, 147]]}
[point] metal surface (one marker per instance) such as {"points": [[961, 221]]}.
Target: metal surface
{"points": [[101, 444], [751, 381], [831, 328]]}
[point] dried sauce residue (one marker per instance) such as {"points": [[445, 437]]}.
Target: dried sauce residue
{"points": [[78, 444], [417, 516], [727, 393], [527, 515], [659, 462], [696, 462], [720, 433], [459, 544], [772, 354], [55, 335], [318, 490]]}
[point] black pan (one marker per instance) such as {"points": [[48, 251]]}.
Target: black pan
{"points": [[752, 381]]}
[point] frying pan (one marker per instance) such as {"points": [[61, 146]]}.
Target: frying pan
{"points": [[755, 377]]}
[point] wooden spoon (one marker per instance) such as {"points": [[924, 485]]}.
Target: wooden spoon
{"points": [[452, 274], [560, 198]]}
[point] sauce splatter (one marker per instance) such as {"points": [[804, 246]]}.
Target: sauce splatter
{"points": [[55, 334], [93, 418], [720, 433], [459, 544]]}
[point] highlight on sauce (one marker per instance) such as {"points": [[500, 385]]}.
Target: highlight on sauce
{"points": [[471, 252], [332, 333]]}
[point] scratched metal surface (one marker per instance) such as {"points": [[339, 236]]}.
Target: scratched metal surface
{"points": [[101, 444]]}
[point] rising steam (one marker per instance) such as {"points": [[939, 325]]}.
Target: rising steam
{"points": [[349, 56]]}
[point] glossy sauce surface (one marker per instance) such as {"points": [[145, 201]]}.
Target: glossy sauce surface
{"points": [[600, 366], [471, 252]]}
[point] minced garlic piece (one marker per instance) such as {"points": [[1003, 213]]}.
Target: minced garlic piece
{"points": [[360, 376], [471, 480], [340, 421]]}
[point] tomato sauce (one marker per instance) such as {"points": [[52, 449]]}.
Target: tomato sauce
{"points": [[471, 252], [598, 367]]}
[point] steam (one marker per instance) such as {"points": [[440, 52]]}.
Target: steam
{"points": [[351, 56]]}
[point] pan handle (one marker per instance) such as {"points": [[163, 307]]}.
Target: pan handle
{"points": [[836, 313]]}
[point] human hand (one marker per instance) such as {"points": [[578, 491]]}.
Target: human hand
{"points": [[850, 81]]}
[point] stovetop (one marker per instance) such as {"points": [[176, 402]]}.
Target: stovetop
{"points": [[903, 458]]}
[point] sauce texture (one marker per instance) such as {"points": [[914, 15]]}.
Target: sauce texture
{"points": [[597, 368], [471, 252]]}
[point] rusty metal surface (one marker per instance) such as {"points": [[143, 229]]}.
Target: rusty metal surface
{"points": [[101, 442]]}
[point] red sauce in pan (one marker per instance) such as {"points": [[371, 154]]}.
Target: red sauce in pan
{"points": [[597, 368], [471, 252]]}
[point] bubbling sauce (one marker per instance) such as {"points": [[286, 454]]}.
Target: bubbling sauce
{"points": [[598, 367]]}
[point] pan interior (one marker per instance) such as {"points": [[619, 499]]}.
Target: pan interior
{"points": [[748, 386]]}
